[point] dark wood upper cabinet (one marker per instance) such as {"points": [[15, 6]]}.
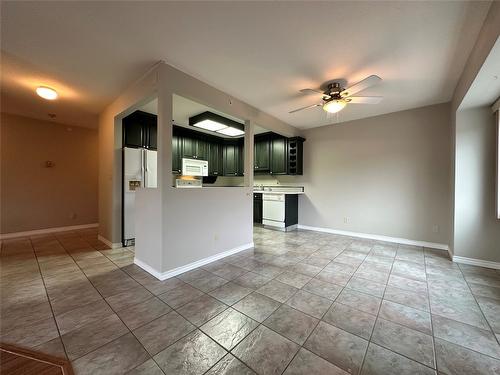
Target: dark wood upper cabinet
{"points": [[132, 133], [140, 130], [241, 157], [295, 155], [202, 149], [262, 153], [152, 135], [188, 147], [176, 152], [215, 159], [273, 153], [230, 159], [279, 155]]}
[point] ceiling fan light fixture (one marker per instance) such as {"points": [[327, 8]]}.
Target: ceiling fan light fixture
{"points": [[334, 106]]}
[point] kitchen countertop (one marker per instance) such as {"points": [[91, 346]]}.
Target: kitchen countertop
{"points": [[278, 192]]}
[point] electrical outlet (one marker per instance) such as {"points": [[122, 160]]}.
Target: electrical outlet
{"points": [[435, 228], [346, 220], [216, 237]]}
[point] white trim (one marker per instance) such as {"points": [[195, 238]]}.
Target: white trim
{"points": [[450, 254], [404, 241], [496, 106], [46, 231], [112, 245], [477, 262], [188, 267]]}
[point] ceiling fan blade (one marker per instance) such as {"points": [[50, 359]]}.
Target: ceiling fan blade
{"points": [[364, 99], [311, 91], [361, 85], [309, 106]]}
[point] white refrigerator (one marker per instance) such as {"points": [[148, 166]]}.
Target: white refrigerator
{"points": [[139, 171]]}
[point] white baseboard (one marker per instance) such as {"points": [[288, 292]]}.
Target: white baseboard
{"points": [[477, 262], [28, 233], [188, 267], [112, 245], [404, 241]]}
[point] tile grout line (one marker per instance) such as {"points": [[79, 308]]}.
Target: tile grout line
{"points": [[479, 307], [48, 298], [454, 320], [430, 313], [376, 317], [104, 299], [321, 320]]}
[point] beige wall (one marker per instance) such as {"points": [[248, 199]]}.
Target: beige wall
{"points": [[477, 230], [388, 175], [484, 44], [36, 197]]}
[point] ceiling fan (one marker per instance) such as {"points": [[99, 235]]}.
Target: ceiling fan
{"points": [[335, 97]]}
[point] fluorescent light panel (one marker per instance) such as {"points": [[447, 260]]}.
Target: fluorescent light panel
{"points": [[217, 123], [210, 125], [232, 132]]}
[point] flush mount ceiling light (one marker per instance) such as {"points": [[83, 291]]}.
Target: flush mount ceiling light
{"points": [[217, 123], [46, 93], [334, 106]]}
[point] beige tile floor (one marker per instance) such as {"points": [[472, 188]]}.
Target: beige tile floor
{"points": [[299, 303]]}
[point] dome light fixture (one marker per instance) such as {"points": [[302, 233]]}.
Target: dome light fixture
{"points": [[46, 93], [334, 106]]}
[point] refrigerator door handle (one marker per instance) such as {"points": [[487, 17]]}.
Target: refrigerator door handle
{"points": [[143, 167]]}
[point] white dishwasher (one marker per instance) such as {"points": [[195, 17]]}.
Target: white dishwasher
{"points": [[273, 210]]}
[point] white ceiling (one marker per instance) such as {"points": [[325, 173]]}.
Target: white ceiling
{"points": [[259, 52], [183, 109]]}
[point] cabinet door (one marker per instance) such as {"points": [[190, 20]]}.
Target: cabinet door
{"points": [[261, 155], [176, 154], [133, 133], [214, 159], [152, 136], [279, 155], [188, 147], [241, 158], [230, 159], [201, 149], [257, 208]]}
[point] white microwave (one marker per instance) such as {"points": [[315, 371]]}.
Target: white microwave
{"points": [[194, 167]]}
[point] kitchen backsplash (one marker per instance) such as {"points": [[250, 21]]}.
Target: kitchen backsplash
{"points": [[239, 181]]}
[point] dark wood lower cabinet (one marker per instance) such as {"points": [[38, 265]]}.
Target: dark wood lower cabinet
{"points": [[257, 208]]}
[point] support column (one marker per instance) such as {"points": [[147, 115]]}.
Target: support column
{"points": [[248, 165]]}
